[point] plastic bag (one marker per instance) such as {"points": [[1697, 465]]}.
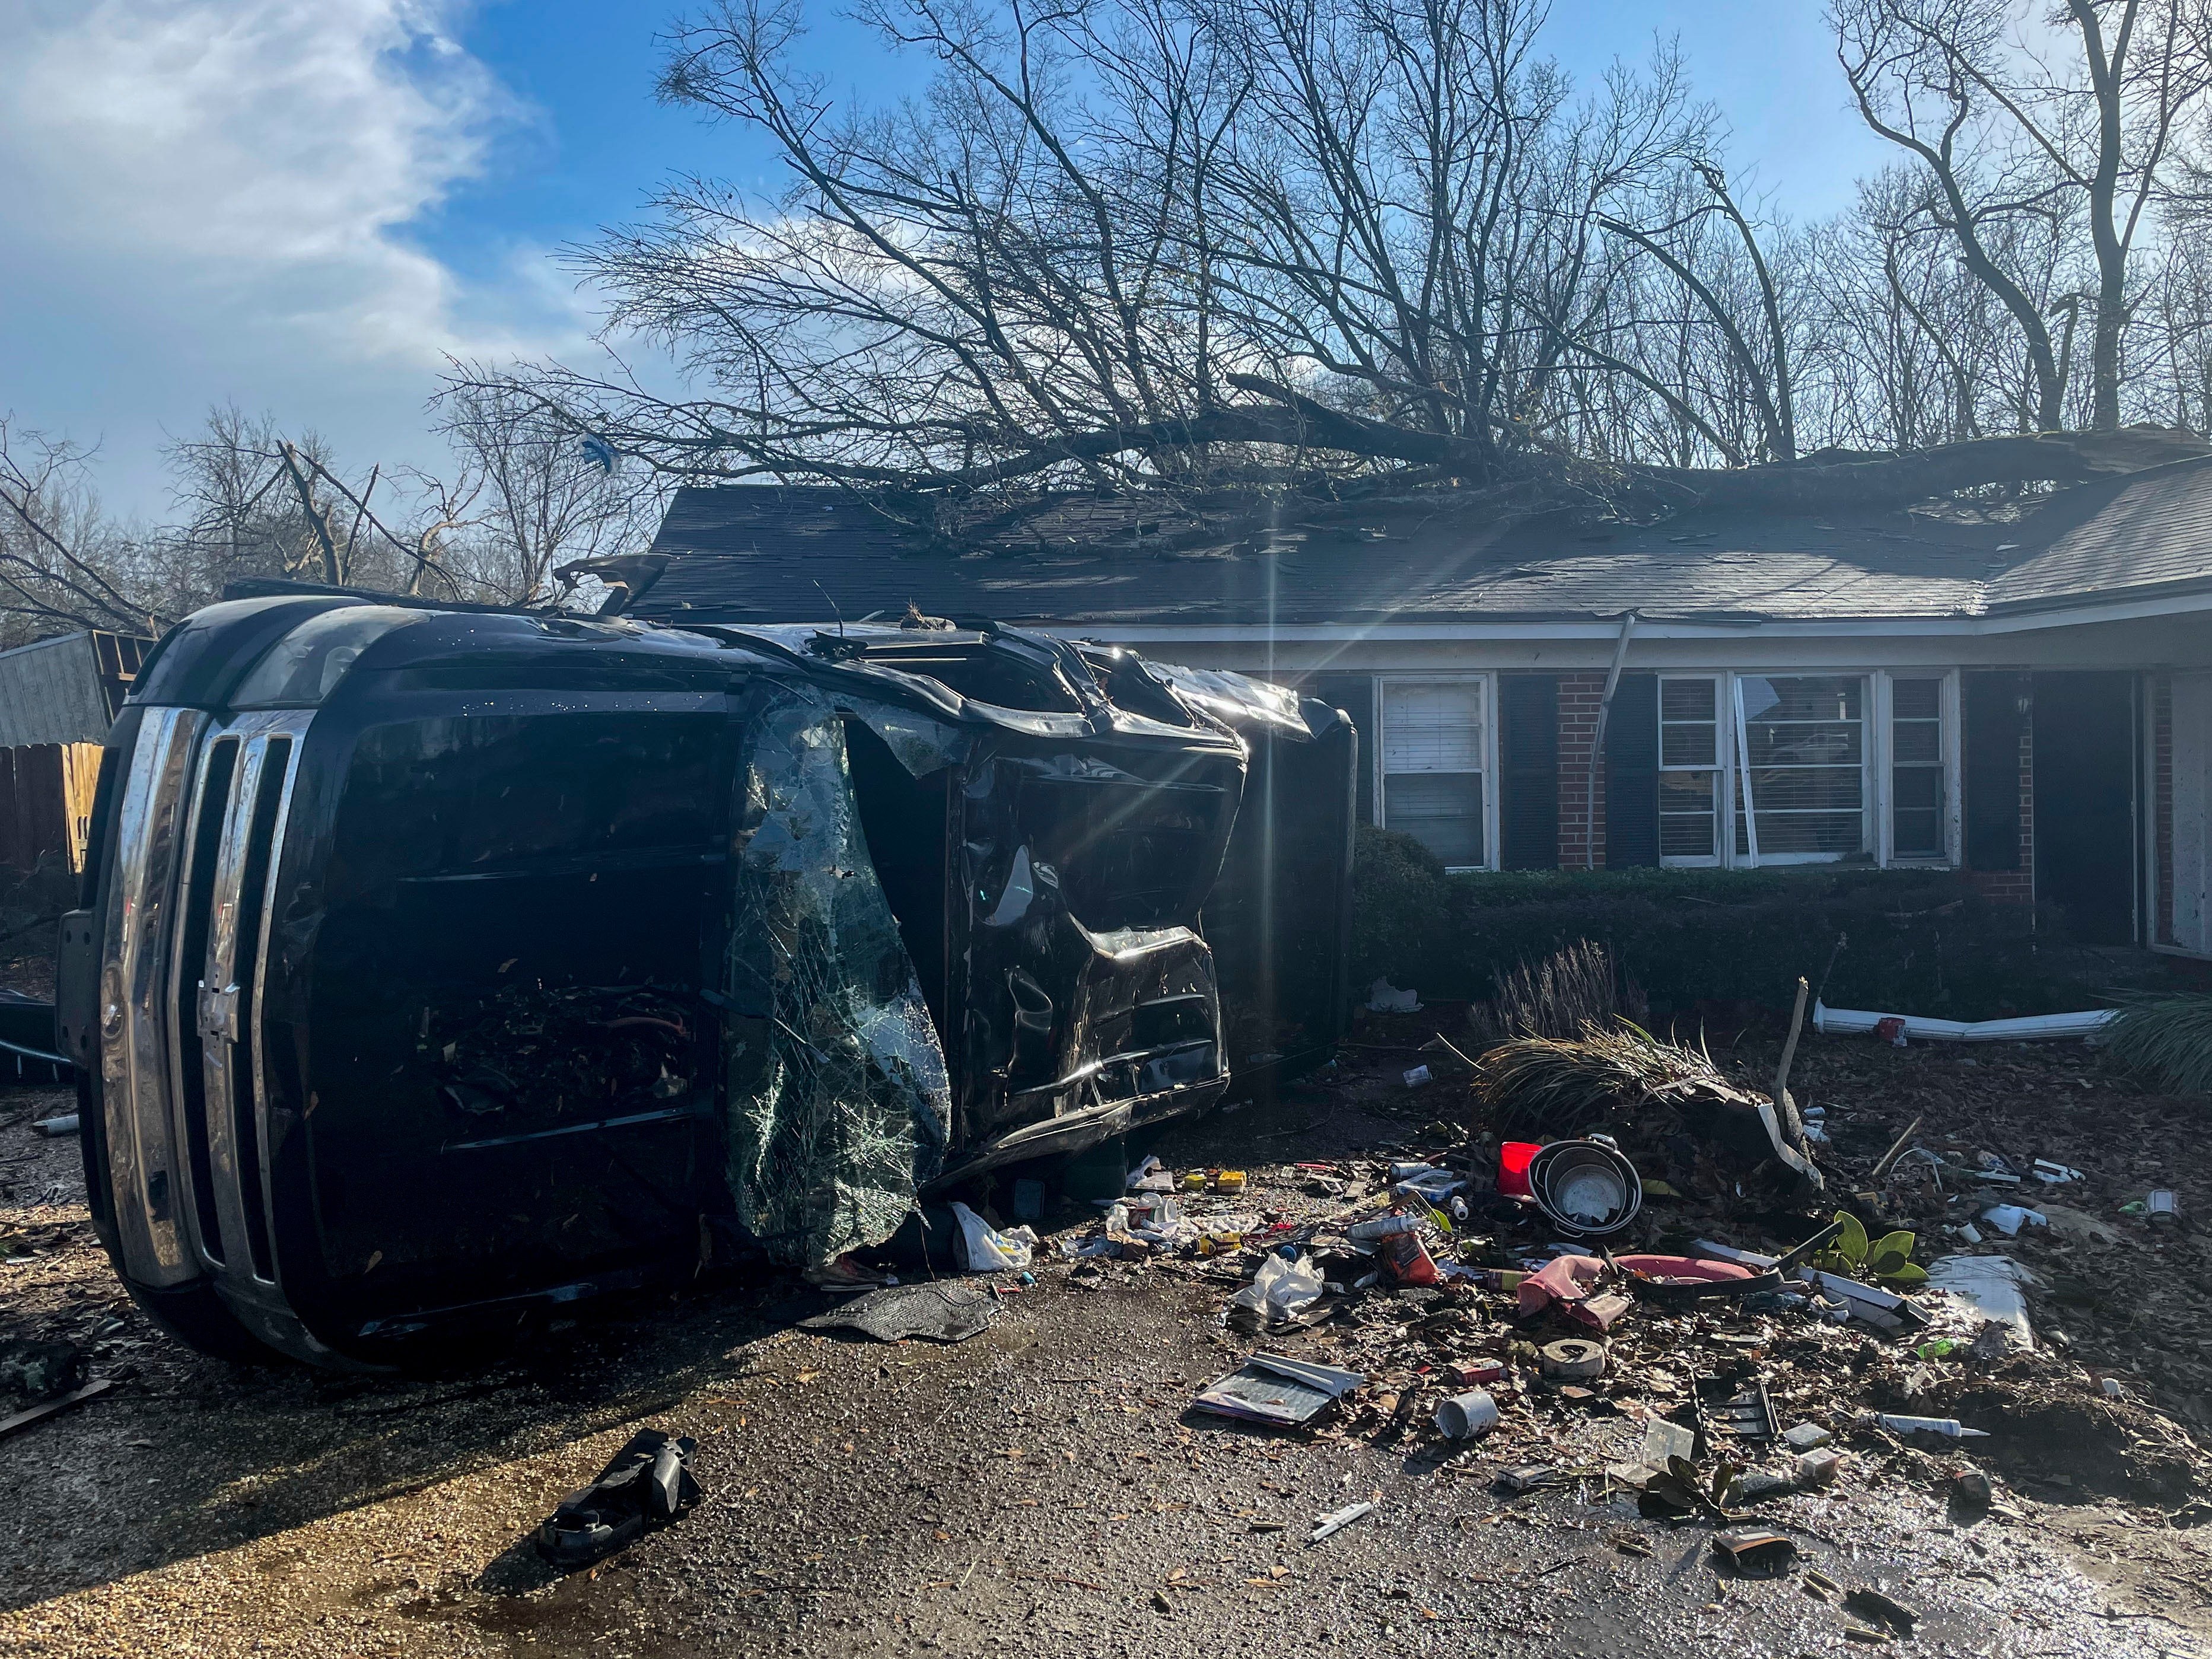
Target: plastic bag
{"points": [[1281, 1290], [987, 1249]]}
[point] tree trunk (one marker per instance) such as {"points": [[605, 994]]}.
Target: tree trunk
{"points": [[1922, 475]]}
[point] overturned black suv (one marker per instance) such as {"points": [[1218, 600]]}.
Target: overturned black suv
{"points": [[440, 967]]}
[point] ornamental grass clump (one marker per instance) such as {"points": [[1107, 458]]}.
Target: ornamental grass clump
{"points": [[1546, 1085], [1569, 992], [2167, 1037]]}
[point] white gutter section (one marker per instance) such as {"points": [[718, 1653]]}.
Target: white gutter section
{"points": [[1846, 1022], [1612, 684], [1743, 772]]}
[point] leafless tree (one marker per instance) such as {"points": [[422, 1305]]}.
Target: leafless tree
{"points": [[1376, 218], [63, 563], [535, 496], [2086, 118], [1184, 245], [1198, 248]]}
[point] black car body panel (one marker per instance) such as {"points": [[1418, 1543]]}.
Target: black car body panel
{"points": [[438, 965]]}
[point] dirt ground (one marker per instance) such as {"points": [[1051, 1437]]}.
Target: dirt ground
{"points": [[1046, 1487]]}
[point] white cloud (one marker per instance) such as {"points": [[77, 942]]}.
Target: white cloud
{"points": [[211, 199]]}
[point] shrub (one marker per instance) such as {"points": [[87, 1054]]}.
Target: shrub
{"points": [[1903, 941]]}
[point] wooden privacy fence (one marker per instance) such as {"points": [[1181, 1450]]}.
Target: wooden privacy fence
{"points": [[46, 803]]}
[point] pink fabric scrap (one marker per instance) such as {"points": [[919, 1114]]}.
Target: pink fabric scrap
{"points": [[1563, 1278]]}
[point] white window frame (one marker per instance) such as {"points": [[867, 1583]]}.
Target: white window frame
{"points": [[1489, 755], [1723, 767], [1886, 779], [1873, 769], [1878, 703]]}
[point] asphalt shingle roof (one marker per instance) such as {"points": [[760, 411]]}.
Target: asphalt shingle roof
{"points": [[751, 553], [2149, 531]]}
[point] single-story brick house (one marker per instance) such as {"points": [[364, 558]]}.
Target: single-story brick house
{"points": [[2027, 696]]}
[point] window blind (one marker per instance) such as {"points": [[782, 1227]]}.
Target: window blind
{"points": [[1432, 727]]}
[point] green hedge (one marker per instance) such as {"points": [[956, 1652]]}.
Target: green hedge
{"points": [[1914, 941]]}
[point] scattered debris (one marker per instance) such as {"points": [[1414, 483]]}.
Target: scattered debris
{"points": [[1514, 1158], [1283, 1288], [648, 1483], [1885, 1310], [1384, 998], [1465, 1416], [1991, 1285], [1273, 1388], [40, 1371], [1941, 1428], [1328, 1526], [1572, 1359], [1835, 1022], [1877, 1608], [1585, 1188], [1739, 1408], [1671, 1108], [1675, 1278], [988, 1250], [936, 1312], [1531, 1477], [1757, 1551], [39, 1414], [2010, 1218]]}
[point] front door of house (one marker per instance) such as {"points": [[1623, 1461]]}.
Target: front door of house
{"points": [[2192, 899], [2085, 802]]}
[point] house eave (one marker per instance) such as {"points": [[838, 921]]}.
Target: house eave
{"points": [[1604, 627]]}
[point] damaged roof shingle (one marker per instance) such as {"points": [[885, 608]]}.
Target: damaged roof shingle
{"points": [[743, 553]]}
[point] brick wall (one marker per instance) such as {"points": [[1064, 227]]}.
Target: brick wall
{"points": [[2017, 886], [2161, 786], [1582, 811]]}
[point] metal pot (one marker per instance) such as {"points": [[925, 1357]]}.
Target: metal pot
{"points": [[1585, 1189]]}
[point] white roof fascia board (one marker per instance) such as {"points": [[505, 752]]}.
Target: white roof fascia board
{"points": [[2173, 604], [1607, 630]]}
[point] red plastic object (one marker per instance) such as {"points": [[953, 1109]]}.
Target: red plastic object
{"points": [[1514, 1158], [1408, 1260]]}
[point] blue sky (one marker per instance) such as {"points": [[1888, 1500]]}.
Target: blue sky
{"points": [[302, 206], [601, 141]]}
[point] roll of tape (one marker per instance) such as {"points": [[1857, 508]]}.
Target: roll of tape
{"points": [[1573, 1360]]}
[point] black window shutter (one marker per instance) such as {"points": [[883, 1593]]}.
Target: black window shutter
{"points": [[1991, 704], [1632, 773], [1355, 695], [1528, 756]]}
